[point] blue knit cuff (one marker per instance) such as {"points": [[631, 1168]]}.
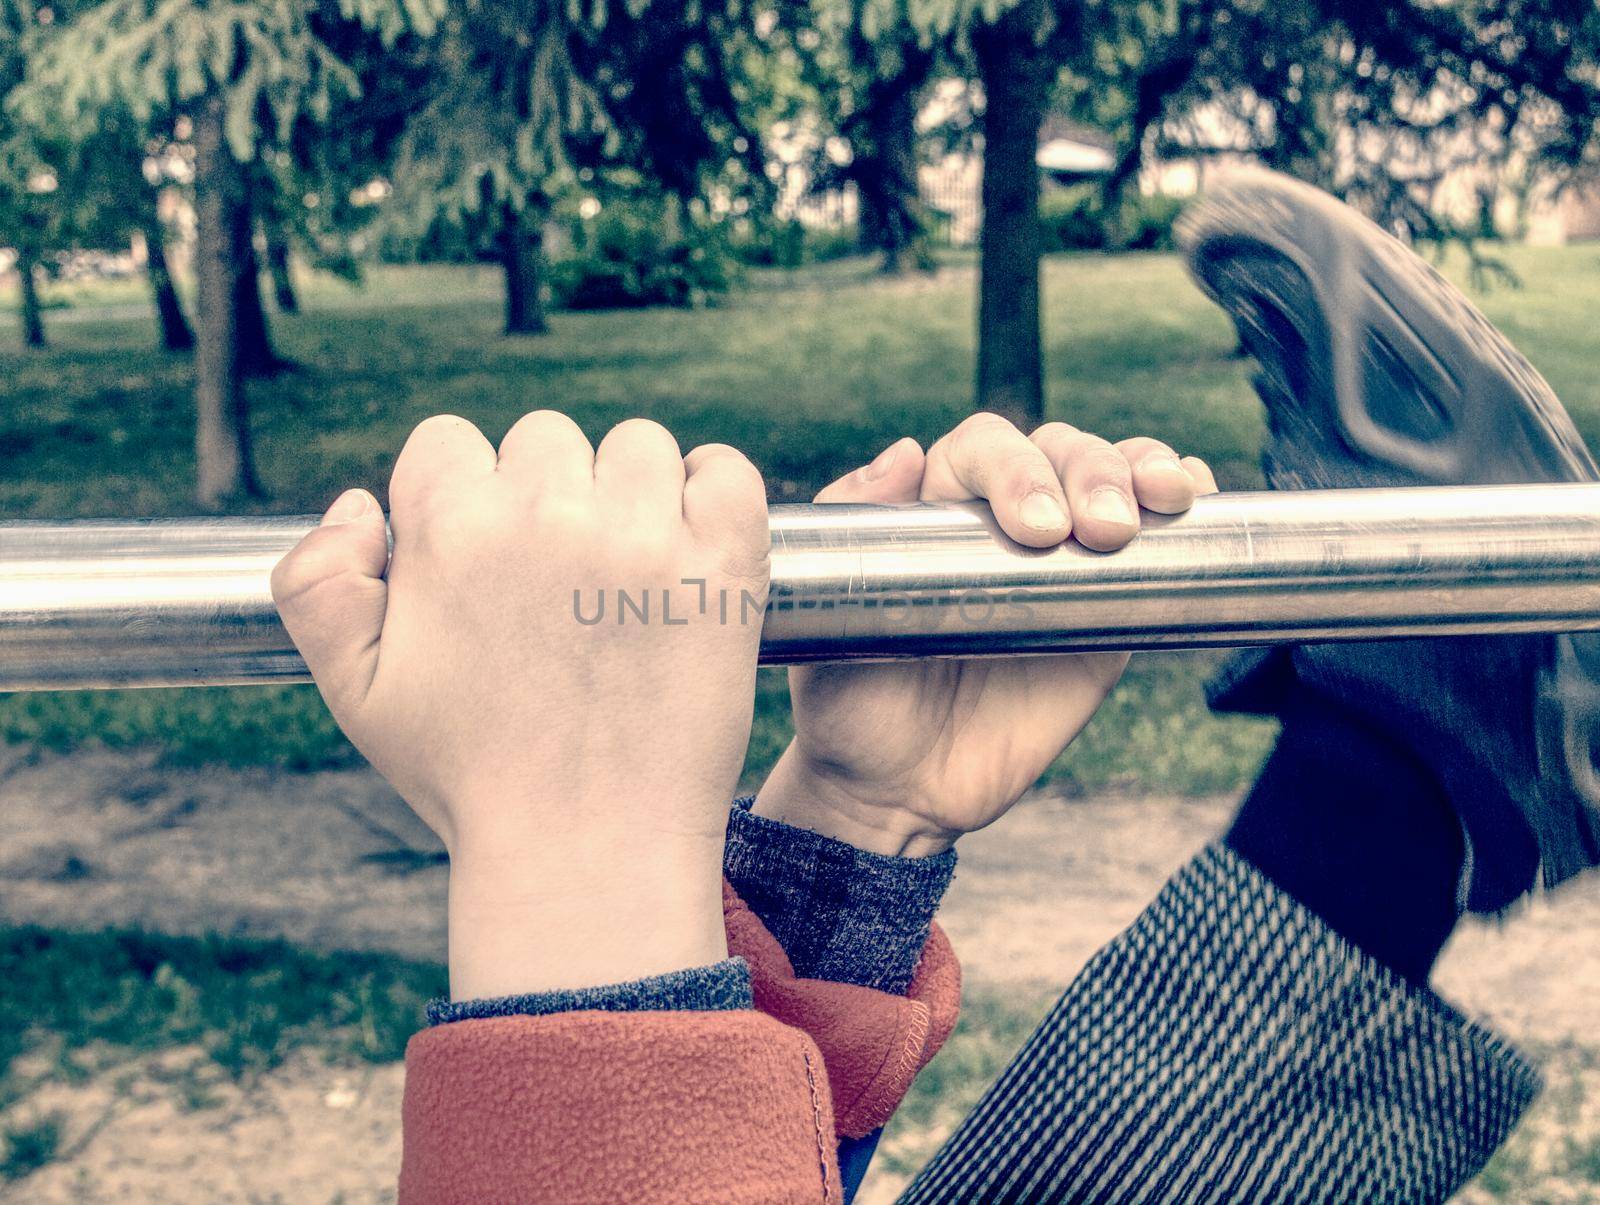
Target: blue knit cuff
{"points": [[720, 986], [840, 913]]}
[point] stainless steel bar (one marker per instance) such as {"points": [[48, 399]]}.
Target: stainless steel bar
{"points": [[186, 601]]}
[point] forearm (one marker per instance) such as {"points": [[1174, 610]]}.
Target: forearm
{"points": [[531, 915], [850, 967]]}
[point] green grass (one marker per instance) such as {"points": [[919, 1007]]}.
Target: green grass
{"points": [[94, 1000], [810, 373], [79, 1005], [1154, 734], [811, 376], [245, 1004]]}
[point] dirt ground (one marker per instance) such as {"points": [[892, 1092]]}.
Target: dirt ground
{"points": [[335, 861]]}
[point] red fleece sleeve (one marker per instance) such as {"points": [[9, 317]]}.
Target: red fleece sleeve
{"points": [[872, 1043], [606, 1107]]}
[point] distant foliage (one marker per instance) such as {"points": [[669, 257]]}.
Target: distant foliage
{"points": [[1071, 220], [270, 59], [1078, 219], [792, 244], [1144, 223], [630, 256]]}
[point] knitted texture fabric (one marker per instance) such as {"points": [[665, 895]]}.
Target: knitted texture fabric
{"points": [[1228, 1046], [840, 913], [722, 985]]}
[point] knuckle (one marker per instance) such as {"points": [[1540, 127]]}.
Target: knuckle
{"points": [[1101, 460], [643, 427], [304, 567], [1026, 466], [980, 428], [707, 453], [291, 577], [744, 480], [1054, 433], [420, 464], [548, 422], [300, 585], [732, 518], [545, 416], [979, 441], [642, 435], [727, 472], [984, 419]]}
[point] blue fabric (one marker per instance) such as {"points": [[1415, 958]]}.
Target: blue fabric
{"points": [[855, 1156]]}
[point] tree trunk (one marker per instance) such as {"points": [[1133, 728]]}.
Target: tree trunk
{"points": [[1017, 75], [894, 203], [256, 355], [222, 427], [32, 310], [283, 293], [176, 334], [883, 138], [522, 257]]}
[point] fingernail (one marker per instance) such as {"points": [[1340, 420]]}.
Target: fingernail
{"points": [[351, 504], [1111, 506], [884, 462], [1167, 464], [1041, 511]]}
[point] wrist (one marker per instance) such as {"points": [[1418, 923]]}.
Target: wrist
{"points": [[875, 817], [563, 916]]}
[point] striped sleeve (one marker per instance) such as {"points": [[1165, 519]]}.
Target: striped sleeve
{"points": [[1228, 1047]]}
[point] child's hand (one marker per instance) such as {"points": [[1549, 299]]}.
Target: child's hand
{"points": [[902, 758], [578, 770]]}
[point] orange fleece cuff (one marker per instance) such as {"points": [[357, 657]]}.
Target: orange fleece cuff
{"points": [[872, 1043], [605, 1107]]}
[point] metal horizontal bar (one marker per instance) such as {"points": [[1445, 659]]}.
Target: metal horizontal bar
{"points": [[186, 601]]}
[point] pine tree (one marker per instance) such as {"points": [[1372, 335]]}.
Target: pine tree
{"points": [[244, 75], [533, 100], [28, 211]]}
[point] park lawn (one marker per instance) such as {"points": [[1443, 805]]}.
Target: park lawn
{"points": [[810, 373]]}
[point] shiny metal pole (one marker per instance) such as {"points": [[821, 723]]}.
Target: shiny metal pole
{"points": [[186, 601]]}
